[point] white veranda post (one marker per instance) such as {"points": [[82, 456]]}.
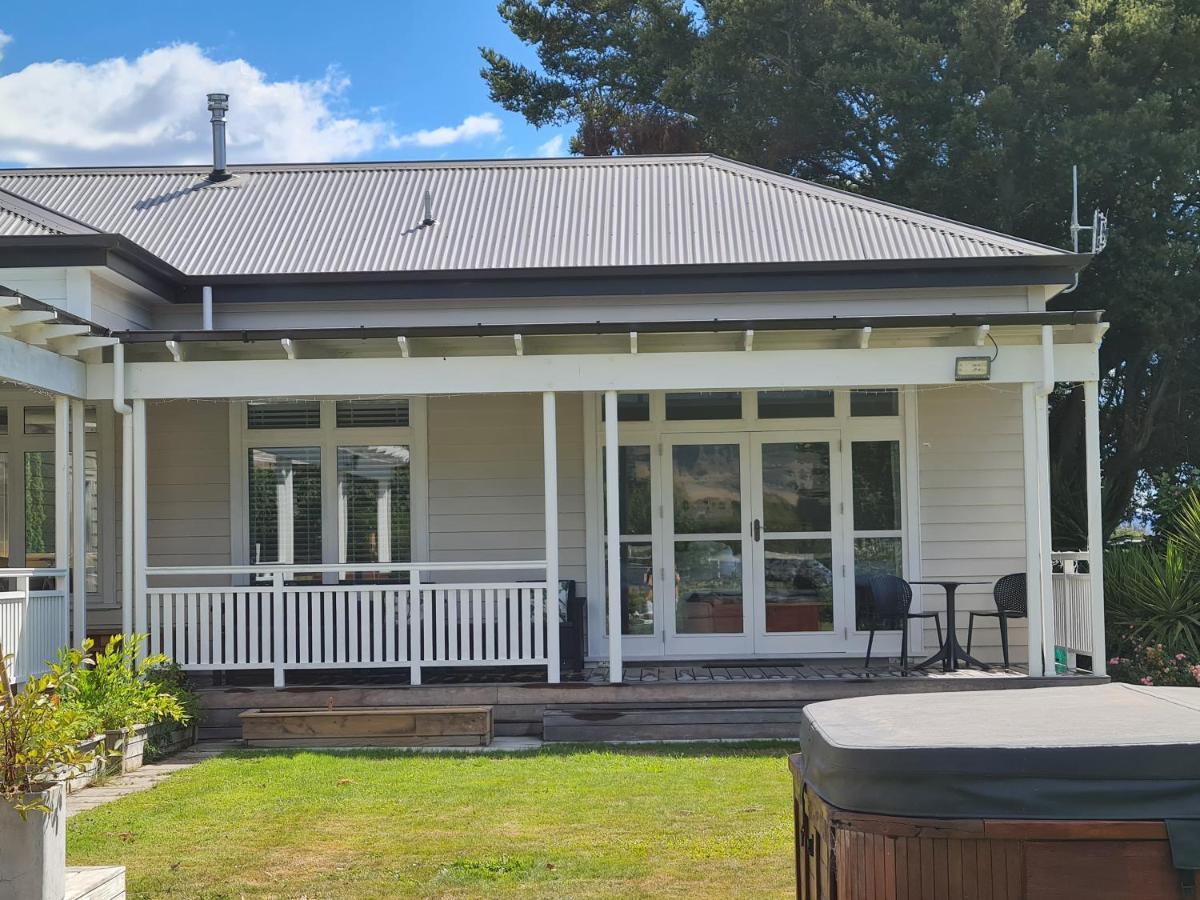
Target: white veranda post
{"points": [[1095, 532], [550, 468], [78, 521], [62, 485], [612, 533], [1036, 452], [139, 517]]}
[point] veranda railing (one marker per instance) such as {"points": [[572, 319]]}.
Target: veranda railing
{"points": [[1073, 609], [286, 617], [34, 624]]}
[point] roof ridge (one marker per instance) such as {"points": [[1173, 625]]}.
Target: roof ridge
{"points": [[367, 165], [916, 217]]}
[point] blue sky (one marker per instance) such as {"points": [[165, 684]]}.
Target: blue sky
{"points": [[93, 83]]}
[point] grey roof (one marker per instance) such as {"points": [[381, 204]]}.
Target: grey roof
{"points": [[496, 214], [20, 216]]}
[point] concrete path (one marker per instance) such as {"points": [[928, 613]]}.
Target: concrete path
{"points": [[146, 777]]}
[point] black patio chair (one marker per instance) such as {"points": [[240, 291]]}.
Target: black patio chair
{"points": [[890, 607], [1011, 603]]}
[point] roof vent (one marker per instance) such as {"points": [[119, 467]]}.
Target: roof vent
{"points": [[218, 105]]}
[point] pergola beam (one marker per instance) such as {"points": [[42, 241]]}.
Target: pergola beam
{"points": [[716, 370]]}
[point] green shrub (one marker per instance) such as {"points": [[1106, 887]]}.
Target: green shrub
{"points": [[38, 740], [110, 689], [1152, 590]]}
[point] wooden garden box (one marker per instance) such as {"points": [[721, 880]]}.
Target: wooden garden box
{"points": [[1008, 795], [374, 726]]}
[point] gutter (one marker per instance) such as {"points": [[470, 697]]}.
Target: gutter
{"points": [[1046, 319]]}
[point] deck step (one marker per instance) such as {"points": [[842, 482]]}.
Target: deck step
{"points": [[612, 722], [95, 883]]}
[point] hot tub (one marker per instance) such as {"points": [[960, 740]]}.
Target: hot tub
{"points": [[1089, 792]]}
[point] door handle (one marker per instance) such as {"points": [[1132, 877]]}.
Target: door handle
{"points": [[756, 530]]}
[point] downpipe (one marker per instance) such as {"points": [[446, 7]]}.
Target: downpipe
{"points": [[122, 408]]}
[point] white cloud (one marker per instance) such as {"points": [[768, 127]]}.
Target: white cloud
{"points": [[5, 40], [552, 147], [152, 110], [471, 128]]}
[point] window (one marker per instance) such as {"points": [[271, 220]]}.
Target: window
{"points": [[285, 505], [372, 413], [264, 415], [877, 512], [40, 420], [881, 402], [795, 404], [631, 408], [637, 548], [374, 512], [699, 406], [328, 482]]}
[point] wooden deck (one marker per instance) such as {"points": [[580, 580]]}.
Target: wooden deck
{"points": [[520, 701], [806, 671]]}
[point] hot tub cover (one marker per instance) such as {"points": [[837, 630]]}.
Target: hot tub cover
{"points": [[1111, 751]]}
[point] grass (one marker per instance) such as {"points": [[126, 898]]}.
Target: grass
{"points": [[691, 820]]}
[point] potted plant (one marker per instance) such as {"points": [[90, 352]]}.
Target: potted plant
{"points": [[112, 693], [38, 742]]}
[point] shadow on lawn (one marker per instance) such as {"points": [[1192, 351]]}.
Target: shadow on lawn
{"points": [[680, 749]]}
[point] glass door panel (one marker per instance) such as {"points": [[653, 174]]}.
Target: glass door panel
{"points": [[796, 556], [707, 525]]}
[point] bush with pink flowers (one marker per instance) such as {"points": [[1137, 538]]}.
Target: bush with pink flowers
{"points": [[1154, 664]]}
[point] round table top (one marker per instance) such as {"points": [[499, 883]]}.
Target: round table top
{"points": [[945, 581]]}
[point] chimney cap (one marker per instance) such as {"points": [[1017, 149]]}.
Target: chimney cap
{"points": [[218, 102]]}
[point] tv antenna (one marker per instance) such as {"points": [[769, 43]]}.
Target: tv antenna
{"points": [[1098, 228]]}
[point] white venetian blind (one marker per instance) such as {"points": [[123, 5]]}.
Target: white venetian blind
{"points": [[373, 504], [389, 413]]}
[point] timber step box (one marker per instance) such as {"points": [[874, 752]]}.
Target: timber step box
{"points": [[368, 726], [616, 722]]}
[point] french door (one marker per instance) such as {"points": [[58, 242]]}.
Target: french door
{"points": [[754, 544]]}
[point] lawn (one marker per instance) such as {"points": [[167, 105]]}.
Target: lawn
{"points": [[694, 820]]}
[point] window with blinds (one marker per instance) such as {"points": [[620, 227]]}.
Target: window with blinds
{"points": [[285, 505], [374, 500], [262, 415], [372, 413]]}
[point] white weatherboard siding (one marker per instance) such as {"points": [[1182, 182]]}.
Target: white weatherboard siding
{"points": [[187, 471], [485, 480], [972, 502]]}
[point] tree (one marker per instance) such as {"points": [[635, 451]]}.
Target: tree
{"points": [[974, 110]]}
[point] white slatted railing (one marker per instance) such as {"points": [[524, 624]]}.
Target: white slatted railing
{"points": [[34, 624], [406, 623], [1072, 603]]}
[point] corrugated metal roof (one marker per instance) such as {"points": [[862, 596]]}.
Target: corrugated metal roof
{"points": [[499, 214], [21, 216]]}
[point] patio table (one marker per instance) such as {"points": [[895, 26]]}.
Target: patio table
{"points": [[951, 651]]}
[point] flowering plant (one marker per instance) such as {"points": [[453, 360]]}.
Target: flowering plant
{"points": [[1154, 664]]}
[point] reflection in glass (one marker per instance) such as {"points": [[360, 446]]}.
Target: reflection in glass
{"points": [[285, 505], [799, 582], [39, 514], [373, 499], [795, 404], [633, 466], [876, 474], [877, 402], [795, 485], [708, 587], [874, 556], [704, 406], [630, 408], [637, 588], [707, 488]]}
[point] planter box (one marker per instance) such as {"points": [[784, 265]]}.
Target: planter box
{"points": [[33, 850], [376, 726], [80, 777], [126, 748], [165, 738]]}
